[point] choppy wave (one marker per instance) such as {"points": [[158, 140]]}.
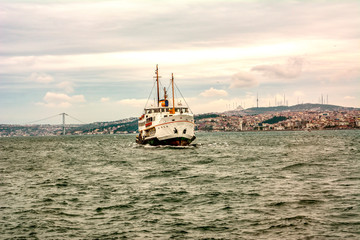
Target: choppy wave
{"points": [[260, 185]]}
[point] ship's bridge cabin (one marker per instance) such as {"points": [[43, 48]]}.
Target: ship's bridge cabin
{"points": [[155, 112], [167, 110]]}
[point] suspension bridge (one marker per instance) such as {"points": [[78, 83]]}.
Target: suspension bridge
{"points": [[63, 120]]}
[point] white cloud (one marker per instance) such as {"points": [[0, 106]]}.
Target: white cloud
{"points": [[41, 77], [243, 80], [349, 98], [133, 102], [212, 92], [78, 99], [104, 99], [61, 100], [56, 97], [67, 86]]}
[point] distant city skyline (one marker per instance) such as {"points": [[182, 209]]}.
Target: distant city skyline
{"points": [[96, 59]]}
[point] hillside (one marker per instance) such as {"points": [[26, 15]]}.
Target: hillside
{"points": [[113, 127], [294, 108]]}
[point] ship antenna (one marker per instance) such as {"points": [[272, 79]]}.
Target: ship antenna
{"points": [[165, 94]]}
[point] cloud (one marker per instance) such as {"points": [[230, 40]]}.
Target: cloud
{"points": [[299, 93], [291, 69], [41, 77], [346, 75], [132, 102], [349, 98], [212, 92], [78, 99], [203, 105], [243, 80], [108, 23], [104, 99], [67, 86], [62, 100], [56, 97]]}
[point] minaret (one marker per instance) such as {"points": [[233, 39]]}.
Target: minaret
{"points": [[257, 100]]}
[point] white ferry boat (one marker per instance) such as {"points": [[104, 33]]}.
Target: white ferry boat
{"points": [[166, 123]]}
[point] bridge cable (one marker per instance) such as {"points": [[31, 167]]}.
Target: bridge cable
{"points": [[42, 119], [75, 118]]}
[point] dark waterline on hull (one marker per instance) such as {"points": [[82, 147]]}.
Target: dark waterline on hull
{"points": [[179, 141]]}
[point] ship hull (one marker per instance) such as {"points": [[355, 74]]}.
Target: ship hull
{"points": [[176, 130], [176, 141]]}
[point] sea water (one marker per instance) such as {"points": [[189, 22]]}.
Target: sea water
{"points": [[251, 185]]}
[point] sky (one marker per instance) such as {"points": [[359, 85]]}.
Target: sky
{"points": [[95, 60]]}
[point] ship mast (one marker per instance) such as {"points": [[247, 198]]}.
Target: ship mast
{"points": [[157, 84], [172, 83]]}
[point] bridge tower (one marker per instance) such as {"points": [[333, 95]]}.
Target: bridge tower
{"points": [[63, 122]]}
